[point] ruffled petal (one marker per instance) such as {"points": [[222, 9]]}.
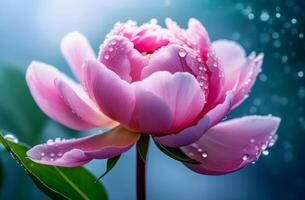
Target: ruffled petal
{"points": [[193, 133], [233, 144], [76, 49], [182, 100], [119, 55], [113, 95], [76, 152], [41, 81]]}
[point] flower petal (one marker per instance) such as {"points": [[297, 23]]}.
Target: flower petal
{"points": [[41, 81], [119, 55], [193, 133], [180, 92], [76, 152], [113, 95], [247, 77], [76, 49], [233, 144], [78, 100], [233, 58]]}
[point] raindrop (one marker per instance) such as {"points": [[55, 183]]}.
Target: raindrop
{"points": [[199, 150], [106, 56], [50, 142], [110, 49], [266, 152], [204, 154], [42, 154], [182, 53], [245, 157], [52, 154], [252, 140], [11, 138]]}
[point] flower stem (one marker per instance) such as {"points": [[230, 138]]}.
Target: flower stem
{"points": [[141, 192]]}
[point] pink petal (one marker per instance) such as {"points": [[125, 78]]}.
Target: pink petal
{"points": [[175, 58], [119, 55], [198, 33], [76, 152], [233, 144], [193, 133], [112, 94], [247, 77], [149, 37], [78, 100], [41, 81], [233, 58], [167, 102], [76, 49]]}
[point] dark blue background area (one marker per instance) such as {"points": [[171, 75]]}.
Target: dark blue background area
{"points": [[32, 30]]}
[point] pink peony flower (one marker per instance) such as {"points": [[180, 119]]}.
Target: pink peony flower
{"points": [[173, 84]]}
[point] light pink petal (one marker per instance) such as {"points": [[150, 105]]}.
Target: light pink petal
{"points": [[41, 81], [182, 100], [233, 58], [198, 34], [233, 144], [119, 55], [240, 71], [76, 152], [76, 49], [124, 29], [193, 133], [78, 100], [175, 58], [112, 94], [247, 77]]}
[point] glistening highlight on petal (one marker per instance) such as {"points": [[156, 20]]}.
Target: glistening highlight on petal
{"points": [[76, 152]]}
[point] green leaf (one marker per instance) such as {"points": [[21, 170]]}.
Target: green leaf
{"points": [[142, 146], [19, 112], [176, 154], [111, 162], [57, 182]]}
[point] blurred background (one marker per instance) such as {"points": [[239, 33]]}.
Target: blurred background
{"points": [[32, 30]]}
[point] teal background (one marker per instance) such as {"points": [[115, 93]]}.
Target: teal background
{"points": [[32, 30]]}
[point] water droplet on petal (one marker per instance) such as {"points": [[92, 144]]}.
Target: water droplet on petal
{"points": [[106, 56], [59, 154], [52, 154], [50, 142], [113, 42], [204, 155], [11, 138], [199, 150], [266, 152], [182, 53], [110, 49], [245, 157], [58, 139], [42, 154]]}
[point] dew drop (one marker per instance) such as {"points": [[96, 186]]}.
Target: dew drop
{"points": [[106, 56], [199, 150], [11, 138], [199, 59], [110, 49], [204, 155], [42, 154], [252, 140], [113, 42], [59, 154], [245, 157], [52, 154], [58, 139], [50, 142], [182, 53], [266, 152]]}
